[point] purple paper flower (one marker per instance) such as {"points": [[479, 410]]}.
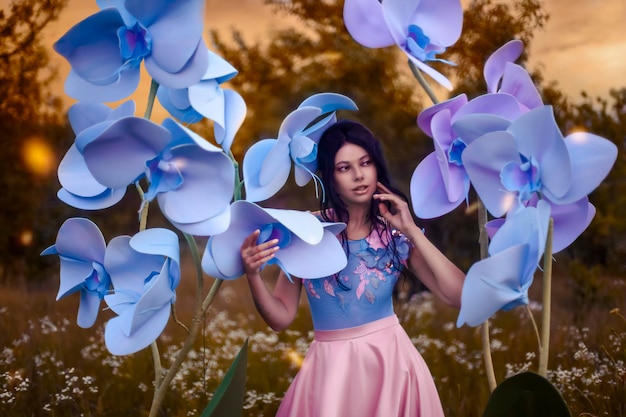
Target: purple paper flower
{"points": [[79, 188], [501, 281], [145, 272], [303, 241], [106, 49], [81, 249], [423, 29], [267, 163], [440, 183], [226, 108]]}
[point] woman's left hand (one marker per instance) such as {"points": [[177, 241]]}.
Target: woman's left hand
{"points": [[394, 209]]}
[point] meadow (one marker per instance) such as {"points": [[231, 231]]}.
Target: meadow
{"points": [[51, 367]]}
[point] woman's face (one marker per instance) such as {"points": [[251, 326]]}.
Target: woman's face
{"points": [[355, 175]]}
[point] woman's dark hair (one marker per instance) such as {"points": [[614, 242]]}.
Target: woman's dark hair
{"points": [[337, 135]]}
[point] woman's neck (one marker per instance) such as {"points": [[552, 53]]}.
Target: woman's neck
{"points": [[359, 224]]}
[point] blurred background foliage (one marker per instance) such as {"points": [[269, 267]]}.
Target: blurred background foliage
{"points": [[276, 73]]}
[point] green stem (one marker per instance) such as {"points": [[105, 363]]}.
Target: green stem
{"points": [[483, 240], [420, 79], [154, 86], [238, 182], [544, 352]]}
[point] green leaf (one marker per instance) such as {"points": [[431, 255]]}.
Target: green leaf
{"points": [[227, 400], [526, 395]]}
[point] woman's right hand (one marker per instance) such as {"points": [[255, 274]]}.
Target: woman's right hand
{"points": [[253, 255]]}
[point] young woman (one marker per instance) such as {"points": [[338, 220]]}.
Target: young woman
{"points": [[361, 362]]}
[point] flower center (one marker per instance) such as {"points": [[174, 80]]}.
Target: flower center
{"points": [[135, 43], [98, 282], [524, 177], [163, 175], [454, 152], [274, 231], [419, 46]]}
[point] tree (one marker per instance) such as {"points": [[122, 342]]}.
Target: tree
{"points": [[31, 125]]}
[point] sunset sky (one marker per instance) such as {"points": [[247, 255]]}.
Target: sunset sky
{"points": [[583, 46]]}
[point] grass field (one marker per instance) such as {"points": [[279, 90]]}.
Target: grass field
{"points": [[51, 367]]}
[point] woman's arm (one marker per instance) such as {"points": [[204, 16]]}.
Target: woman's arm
{"points": [[434, 269], [278, 307]]}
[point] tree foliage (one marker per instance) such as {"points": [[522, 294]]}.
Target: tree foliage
{"points": [[31, 124]]}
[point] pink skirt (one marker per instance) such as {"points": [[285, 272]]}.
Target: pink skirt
{"points": [[365, 371]]}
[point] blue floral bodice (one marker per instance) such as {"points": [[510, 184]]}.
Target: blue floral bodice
{"points": [[362, 291]]}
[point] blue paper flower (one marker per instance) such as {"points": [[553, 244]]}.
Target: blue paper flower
{"points": [[226, 108], [267, 163], [81, 249], [79, 188], [423, 29], [106, 49], [184, 171], [145, 272], [501, 281], [303, 241]]}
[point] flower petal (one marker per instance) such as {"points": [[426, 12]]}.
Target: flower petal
{"points": [[253, 163], [365, 22], [592, 158], [117, 156], [429, 196], [494, 65], [186, 76], [491, 284], [483, 160]]}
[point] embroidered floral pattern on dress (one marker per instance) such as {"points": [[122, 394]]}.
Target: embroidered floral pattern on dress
{"points": [[371, 261]]}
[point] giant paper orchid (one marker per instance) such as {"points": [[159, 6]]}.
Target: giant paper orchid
{"points": [[302, 238], [144, 272], [501, 281], [184, 171], [106, 49], [81, 249], [79, 188], [267, 163], [439, 183], [530, 160], [226, 108], [421, 28]]}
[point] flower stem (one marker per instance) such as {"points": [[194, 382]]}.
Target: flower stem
{"points": [[238, 182], [420, 79], [154, 86], [199, 312], [483, 240], [547, 303], [156, 359], [532, 320]]}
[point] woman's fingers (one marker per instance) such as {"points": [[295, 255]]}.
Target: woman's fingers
{"points": [[253, 255]]}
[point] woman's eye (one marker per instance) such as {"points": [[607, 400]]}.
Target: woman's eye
{"points": [[366, 163], [342, 168]]}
